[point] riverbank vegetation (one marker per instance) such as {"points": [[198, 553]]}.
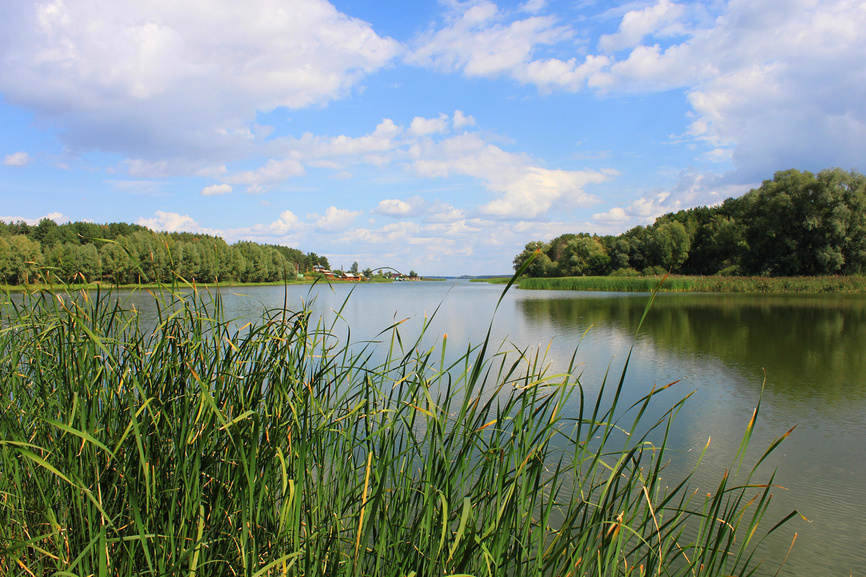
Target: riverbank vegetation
{"points": [[193, 444], [798, 224], [710, 284]]}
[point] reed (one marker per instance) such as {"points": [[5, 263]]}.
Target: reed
{"points": [[200, 447], [674, 283]]}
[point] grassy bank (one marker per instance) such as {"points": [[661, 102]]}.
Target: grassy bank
{"points": [[200, 448], [822, 284]]}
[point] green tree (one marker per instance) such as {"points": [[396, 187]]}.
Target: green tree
{"points": [[667, 245], [20, 258], [541, 266], [583, 255]]}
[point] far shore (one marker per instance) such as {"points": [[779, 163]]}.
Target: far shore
{"points": [[670, 283], [705, 284], [36, 287]]}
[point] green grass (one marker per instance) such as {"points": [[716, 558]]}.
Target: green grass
{"points": [[672, 283], [200, 447]]}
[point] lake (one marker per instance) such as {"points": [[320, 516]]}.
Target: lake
{"points": [[805, 352]]}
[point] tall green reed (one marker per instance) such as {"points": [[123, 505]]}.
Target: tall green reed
{"points": [[201, 447]]}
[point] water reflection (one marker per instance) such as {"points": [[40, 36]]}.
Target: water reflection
{"points": [[811, 349], [809, 346]]}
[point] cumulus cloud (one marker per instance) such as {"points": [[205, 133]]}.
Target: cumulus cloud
{"points": [[286, 224], [17, 159], [692, 188], [525, 189], [400, 208], [155, 79], [273, 171], [444, 212], [424, 126], [616, 215], [770, 84], [392, 234], [174, 222], [334, 220], [461, 120], [216, 189], [55, 216], [479, 39], [660, 18]]}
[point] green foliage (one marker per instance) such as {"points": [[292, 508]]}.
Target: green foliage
{"points": [[121, 253], [20, 259], [798, 224], [192, 447]]}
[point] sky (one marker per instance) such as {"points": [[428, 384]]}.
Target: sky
{"points": [[435, 136]]}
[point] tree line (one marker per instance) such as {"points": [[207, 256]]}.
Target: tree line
{"points": [[121, 253], [798, 224]]}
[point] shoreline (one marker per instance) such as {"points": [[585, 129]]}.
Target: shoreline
{"points": [[709, 284]]}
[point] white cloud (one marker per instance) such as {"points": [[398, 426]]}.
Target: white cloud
{"points": [[526, 190], [334, 152], [479, 40], [55, 216], [174, 222], [400, 208], [637, 24], [777, 84], [533, 6], [424, 126], [159, 80], [692, 188], [538, 189], [394, 234], [286, 223], [334, 220], [17, 159], [616, 215], [273, 171], [216, 189], [444, 212], [462, 120]]}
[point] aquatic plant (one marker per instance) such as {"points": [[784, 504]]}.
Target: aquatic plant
{"points": [[204, 446]]}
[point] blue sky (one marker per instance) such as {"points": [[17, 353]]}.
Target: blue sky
{"points": [[435, 136]]}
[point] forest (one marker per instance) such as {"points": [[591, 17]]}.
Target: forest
{"points": [[798, 224], [121, 253]]}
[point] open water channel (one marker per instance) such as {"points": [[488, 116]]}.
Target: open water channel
{"points": [[807, 353]]}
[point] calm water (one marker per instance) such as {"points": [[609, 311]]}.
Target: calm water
{"points": [[809, 352]]}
